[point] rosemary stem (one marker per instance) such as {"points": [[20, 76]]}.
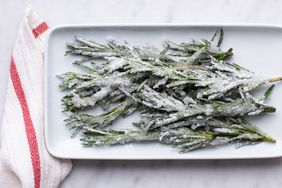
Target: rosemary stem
{"points": [[276, 79]]}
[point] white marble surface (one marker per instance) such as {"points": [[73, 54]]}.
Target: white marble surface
{"points": [[165, 174]]}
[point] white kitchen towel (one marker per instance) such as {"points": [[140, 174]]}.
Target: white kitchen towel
{"points": [[24, 160]]}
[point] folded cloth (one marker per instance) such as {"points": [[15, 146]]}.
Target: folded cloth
{"points": [[24, 160]]}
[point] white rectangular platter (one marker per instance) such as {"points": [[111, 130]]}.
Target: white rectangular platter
{"points": [[256, 47]]}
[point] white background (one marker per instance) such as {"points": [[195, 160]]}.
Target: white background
{"points": [[128, 174]]}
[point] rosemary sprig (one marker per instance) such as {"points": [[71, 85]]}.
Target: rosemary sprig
{"points": [[184, 138]]}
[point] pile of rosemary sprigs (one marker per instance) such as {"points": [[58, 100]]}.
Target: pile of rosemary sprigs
{"points": [[188, 94]]}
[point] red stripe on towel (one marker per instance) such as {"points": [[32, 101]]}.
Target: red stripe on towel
{"points": [[41, 28], [29, 128]]}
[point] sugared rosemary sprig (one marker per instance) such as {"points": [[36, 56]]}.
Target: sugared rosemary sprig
{"points": [[184, 138]]}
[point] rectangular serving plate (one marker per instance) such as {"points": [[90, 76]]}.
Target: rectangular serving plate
{"points": [[257, 47]]}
